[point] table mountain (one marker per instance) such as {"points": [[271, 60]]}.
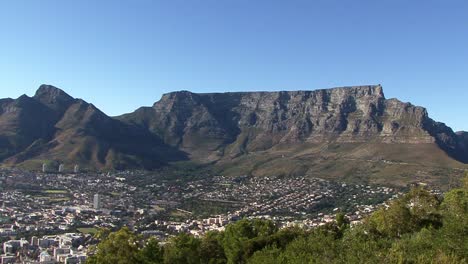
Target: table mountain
{"points": [[236, 123], [348, 132], [337, 131]]}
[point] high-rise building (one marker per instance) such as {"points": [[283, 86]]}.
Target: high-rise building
{"points": [[44, 167], [97, 201], [61, 168], [76, 169]]}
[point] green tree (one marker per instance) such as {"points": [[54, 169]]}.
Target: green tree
{"points": [[392, 221], [182, 249], [360, 246], [237, 235], [120, 247], [455, 222], [151, 253], [413, 247], [465, 181], [102, 233], [342, 223], [268, 255], [415, 210], [320, 246], [424, 208], [211, 248]]}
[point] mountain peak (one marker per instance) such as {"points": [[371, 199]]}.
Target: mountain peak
{"points": [[53, 97], [50, 90]]}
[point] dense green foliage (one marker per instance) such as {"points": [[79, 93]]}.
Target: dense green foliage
{"points": [[416, 228]]}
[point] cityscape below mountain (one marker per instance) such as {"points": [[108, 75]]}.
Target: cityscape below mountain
{"points": [[244, 177]]}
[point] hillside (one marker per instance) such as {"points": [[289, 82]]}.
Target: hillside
{"points": [[52, 125], [353, 133]]}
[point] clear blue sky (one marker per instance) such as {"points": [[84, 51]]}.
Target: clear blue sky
{"points": [[120, 55]]}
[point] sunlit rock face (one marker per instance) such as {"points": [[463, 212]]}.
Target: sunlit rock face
{"points": [[234, 123], [52, 125]]}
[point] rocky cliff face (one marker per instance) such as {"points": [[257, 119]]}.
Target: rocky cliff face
{"points": [[219, 124], [331, 124]]}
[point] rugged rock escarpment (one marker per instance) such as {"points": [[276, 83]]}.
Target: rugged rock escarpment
{"points": [[225, 127], [236, 123]]}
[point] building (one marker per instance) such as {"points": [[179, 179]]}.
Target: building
{"points": [[70, 239], [44, 167], [44, 257], [7, 259], [46, 242], [61, 168], [97, 201], [61, 252], [75, 259], [12, 246], [34, 241], [76, 169]]}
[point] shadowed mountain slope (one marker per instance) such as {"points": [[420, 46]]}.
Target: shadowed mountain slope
{"points": [[52, 125]]}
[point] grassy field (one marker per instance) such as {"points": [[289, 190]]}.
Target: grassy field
{"points": [[177, 215], [52, 195], [56, 191], [87, 230], [59, 199], [158, 208]]}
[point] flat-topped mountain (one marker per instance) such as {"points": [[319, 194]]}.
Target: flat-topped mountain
{"points": [[331, 132], [236, 123]]}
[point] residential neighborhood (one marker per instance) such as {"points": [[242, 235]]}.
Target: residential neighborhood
{"points": [[51, 217]]}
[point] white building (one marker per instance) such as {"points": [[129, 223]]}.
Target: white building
{"points": [[97, 201], [45, 257], [76, 169]]}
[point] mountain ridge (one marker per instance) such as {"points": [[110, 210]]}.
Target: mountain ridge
{"points": [[224, 129], [359, 130], [73, 131]]}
